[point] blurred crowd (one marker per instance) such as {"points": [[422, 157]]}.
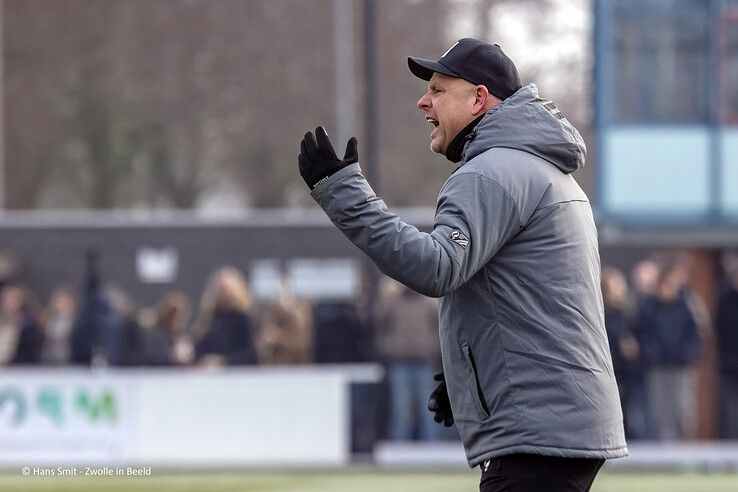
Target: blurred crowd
{"points": [[656, 328], [102, 327]]}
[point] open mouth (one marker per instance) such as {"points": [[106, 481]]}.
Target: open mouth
{"points": [[433, 122]]}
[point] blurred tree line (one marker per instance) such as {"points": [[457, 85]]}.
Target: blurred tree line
{"points": [[189, 103]]}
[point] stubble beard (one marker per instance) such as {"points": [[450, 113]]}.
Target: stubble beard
{"points": [[437, 146]]}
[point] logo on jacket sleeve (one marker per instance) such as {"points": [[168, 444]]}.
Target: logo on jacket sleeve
{"points": [[459, 238]]}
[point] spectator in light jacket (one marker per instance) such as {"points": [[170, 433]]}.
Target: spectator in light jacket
{"points": [[407, 340], [57, 322], [21, 339], [285, 334]]}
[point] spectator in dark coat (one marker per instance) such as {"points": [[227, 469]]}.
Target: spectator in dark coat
{"points": [[644, 281], [341, 335], [619, 320], [225, 321], [96, 329], [167, 340], [130, 343], [726, 325], [670, 343]]}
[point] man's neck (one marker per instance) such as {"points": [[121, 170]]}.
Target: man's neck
{"points": [[455, 149]]}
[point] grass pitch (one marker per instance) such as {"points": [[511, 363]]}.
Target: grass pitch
{"points": [[351, 481]]}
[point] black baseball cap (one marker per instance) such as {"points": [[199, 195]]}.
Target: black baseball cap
{"points": [[475, 61]]}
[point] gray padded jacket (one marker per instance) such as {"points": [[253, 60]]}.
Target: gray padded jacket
{"points": [[513, 255]]}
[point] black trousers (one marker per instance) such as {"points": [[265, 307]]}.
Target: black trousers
{"points": [[535, 473]]}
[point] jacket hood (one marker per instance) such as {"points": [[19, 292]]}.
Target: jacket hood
{"points": [[529, 123]]}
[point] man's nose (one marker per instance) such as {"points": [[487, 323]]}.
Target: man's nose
{"points": [[424, 102]]}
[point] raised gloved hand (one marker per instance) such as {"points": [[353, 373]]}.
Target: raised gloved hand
{"points": [[439, 404], [318, 160]]}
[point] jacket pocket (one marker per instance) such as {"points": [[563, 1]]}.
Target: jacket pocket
{"points": [[474, 385]]}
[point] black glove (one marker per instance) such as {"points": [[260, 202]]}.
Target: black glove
{"points": [[439, 404], [318, 160]]}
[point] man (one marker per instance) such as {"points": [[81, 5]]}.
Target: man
{"points": [[670, 340], [726, 331], [513, 256], [407, 342]]}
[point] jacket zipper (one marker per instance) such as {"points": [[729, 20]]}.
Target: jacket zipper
{"points": [[480, 394]]}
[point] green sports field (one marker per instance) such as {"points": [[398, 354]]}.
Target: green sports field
{"points": [[354, 481]]}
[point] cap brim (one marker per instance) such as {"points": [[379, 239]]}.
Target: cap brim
{"points": [[424, 69]]}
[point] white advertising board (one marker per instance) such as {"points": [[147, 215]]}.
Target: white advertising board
{"points": [[245, 417], [65, 418]]}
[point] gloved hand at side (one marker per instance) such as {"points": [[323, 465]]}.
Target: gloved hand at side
{"points": [[439, 404]]}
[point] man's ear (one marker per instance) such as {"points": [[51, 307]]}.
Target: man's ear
{"points": [[481, 100]]}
